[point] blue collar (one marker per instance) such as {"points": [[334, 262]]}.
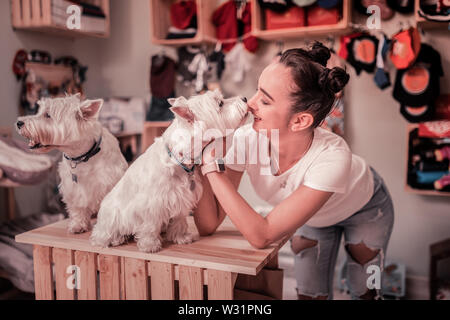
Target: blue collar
{"points": [[188, 171]]}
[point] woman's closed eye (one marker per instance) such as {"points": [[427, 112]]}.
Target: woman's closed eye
{"points": [[265, 102]]}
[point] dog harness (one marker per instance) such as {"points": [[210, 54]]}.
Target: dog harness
{"points": [[83, 158]]}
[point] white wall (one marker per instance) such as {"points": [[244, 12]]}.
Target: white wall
{"points": [[374, 127]]}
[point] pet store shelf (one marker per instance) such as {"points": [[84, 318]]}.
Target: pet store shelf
{"points": [[206, 33], [160, 20], [410, 189], [424, 23], [41, 16], [259, 31]]}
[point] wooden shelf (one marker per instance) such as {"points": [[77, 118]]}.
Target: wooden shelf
{"points": [[206, 33], [160, 19], [424, 23], [410, 189], [36, 15], [300, 32]]}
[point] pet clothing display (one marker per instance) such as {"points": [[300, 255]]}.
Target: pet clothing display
{"points": [[239, 62], [162, 76], [435, 10], [442, 182], [382, 78], [418, 85], [402, 6], [318, 16], [183, 14], [162, 84], [344, 41], [230, 26], [428, 157], [362, 53], [294, 17], [183, 18], [405, 48], [434, 129]]}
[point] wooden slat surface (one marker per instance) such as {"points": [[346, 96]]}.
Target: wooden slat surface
{"points": [[191, 283], [43, 279], [109, 268], [162, 281], [136, 279], [220, 285], [225, 250], [62, 259], [87, 262]]}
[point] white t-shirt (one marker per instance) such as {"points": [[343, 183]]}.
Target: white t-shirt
{"points": [[328, 165]]}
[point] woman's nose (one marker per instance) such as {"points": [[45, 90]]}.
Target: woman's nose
{"points": [[252, 103]]}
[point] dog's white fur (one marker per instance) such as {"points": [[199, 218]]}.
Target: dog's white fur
{"points": [[154, 194], [71, 126]]}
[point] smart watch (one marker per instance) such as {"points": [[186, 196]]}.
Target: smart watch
{"points": [[218, 165]]}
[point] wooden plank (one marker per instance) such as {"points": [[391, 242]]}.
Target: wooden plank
{"points": [[46, 12], [87, 262], [225, 250], [43, 280], [26, 13], [36, 13], [268, 282], [162, 281], [191, 283], [136, 279], [16, 13], [109, 268], [63, 259], [220, 285]]}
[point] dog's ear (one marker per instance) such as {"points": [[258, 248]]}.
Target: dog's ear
{"points": [[180, 101], [90, 109], [184, 112]]}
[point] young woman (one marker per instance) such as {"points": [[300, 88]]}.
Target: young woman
{"points": [[319, 189]]}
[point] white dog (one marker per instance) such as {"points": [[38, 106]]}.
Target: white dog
{"points": [[160, 188], [92, 162]]}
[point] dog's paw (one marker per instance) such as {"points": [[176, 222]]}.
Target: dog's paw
{"points": [[149, 245], [184, 239], [76, 227]]}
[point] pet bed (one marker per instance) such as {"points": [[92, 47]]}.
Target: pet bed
{"points": [[19, 165]]}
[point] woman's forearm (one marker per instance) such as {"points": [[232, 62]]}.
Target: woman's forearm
{"points": [[206, 214], [252, 225]]}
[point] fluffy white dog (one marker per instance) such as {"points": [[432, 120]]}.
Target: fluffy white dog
{"points": [[92, 162], [161, 187]]}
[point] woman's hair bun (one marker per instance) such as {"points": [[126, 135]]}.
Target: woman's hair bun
{"points": [[333, 80], [319, 53]]}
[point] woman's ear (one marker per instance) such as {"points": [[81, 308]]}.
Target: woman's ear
{"points": [[301, 121]]}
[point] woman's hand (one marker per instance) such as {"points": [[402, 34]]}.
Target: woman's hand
{"points": [[214, 150]]}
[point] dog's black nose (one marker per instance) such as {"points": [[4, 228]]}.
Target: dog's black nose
{"points": [[244, 99], [20, 124]]}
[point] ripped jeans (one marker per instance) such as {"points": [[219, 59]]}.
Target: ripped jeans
{"points": [[372, 225]]}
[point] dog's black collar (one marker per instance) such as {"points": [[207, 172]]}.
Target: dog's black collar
{"points": [[188, 171], [85, 157]]}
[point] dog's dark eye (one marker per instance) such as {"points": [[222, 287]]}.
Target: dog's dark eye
{"points": [[221, 103], [47, 115]]}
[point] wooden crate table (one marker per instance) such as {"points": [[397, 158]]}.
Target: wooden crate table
{"points": [[221, 266]]}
